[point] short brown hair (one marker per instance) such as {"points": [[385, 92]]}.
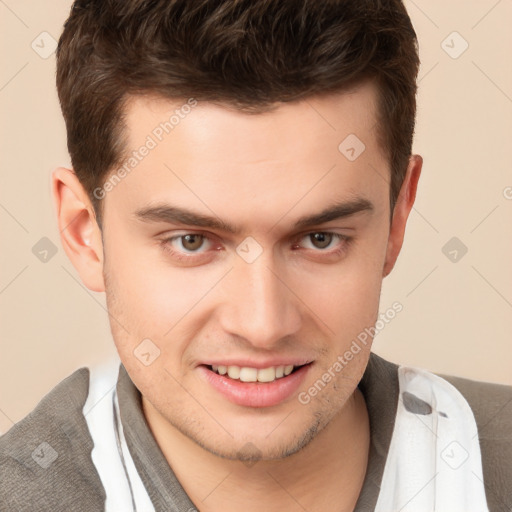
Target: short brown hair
{"points": [[248, 54]]}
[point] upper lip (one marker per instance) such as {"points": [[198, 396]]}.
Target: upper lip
{"points": [[251, 363]]}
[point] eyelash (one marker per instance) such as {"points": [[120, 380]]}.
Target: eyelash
{"points": [[345, 241]]}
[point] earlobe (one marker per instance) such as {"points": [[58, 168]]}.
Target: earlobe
{"points": [[79, 231], [401, 212]]}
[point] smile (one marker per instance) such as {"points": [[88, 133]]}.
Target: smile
{"points": [[247, 374], [255, 387]]}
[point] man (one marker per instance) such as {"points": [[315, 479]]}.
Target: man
{"points": [[242, 177]]}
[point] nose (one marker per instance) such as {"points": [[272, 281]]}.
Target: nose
{"points": [[259, 305]]}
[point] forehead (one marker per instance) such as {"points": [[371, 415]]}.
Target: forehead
{"points": [[308, 123], [216, 158]]}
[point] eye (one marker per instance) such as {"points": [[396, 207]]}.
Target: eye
{"points": [[324, 240], [187, 243]]}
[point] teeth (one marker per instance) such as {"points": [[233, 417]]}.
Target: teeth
{"points": [[267, 374], [234, 372], [246, 374]]}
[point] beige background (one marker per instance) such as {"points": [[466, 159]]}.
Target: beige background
{"points": [[456, 316]]}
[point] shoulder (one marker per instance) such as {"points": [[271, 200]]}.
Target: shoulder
{"points": [[491, 405], [45, 459], [486, 398], [492, 408]]}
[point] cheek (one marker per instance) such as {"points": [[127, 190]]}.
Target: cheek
{"points": [[152, 293], [346, 306], [345, 297], [154, 302]]}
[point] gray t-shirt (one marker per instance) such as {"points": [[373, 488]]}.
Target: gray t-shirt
{"points": [[46, 464]]}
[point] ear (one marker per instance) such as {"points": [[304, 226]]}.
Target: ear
{"points": [[79, 232], [403, 206]]}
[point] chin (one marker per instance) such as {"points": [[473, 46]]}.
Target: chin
{"points": [[260, 446]]}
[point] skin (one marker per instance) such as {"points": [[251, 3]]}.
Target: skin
{"points": [[260, 173]]}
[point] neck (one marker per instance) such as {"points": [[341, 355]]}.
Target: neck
{"points": [[330, 469]]}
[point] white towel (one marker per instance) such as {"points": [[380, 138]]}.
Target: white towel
{"points": [[434, 461]]}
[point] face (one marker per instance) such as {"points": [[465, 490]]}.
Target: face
{"points": [[247, 241]]}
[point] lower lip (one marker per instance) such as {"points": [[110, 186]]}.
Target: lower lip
{"points": [[256, 394]]}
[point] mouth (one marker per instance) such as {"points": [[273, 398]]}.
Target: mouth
{"points": [[255, 387], [248, 374]]}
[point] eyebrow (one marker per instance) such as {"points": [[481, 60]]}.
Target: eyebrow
{"points": [[176, 215]]}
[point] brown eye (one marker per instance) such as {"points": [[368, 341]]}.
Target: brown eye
{"points": [[191, 242], [321, 240], [190, 249]]}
